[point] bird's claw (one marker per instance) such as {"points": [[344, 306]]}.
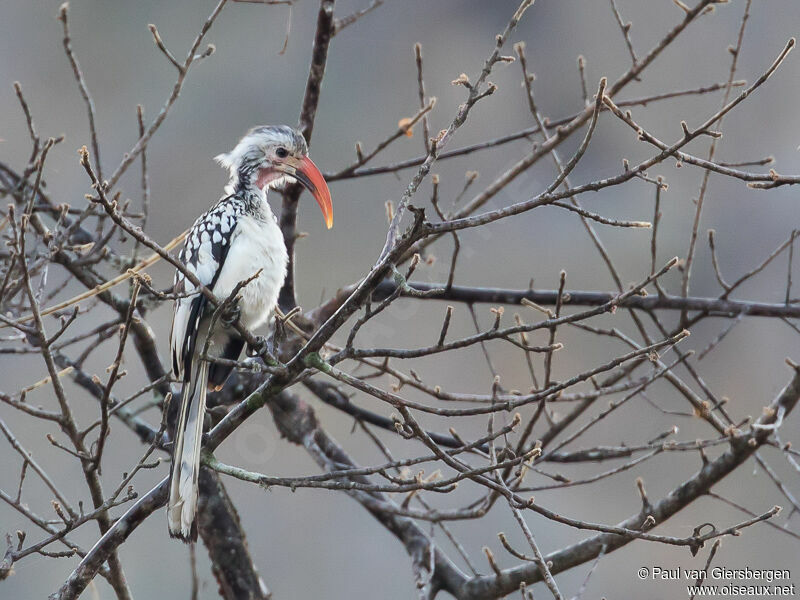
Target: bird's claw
{"points": [[231, 314], [259, 346], [265, 348]]}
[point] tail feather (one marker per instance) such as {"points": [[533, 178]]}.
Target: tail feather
{"points": [[182, 507]]}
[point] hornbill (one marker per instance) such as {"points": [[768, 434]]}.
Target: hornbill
{"points": [[235, 239]]}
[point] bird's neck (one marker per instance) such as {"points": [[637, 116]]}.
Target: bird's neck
{"points": [[254, 199], [245, 179]]}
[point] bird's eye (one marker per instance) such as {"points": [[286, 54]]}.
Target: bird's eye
{"points": [[281, 152]]}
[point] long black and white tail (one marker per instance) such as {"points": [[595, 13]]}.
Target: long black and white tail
{"points": [[183, 489]]}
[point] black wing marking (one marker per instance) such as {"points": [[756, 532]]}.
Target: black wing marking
{"points": [[204, 253], [218, 373]]}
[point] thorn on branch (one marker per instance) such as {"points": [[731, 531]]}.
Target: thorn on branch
{"points": [[703, 455], [492, 563], [210, 49], [60, 512], [511, 550], [498, 315], [646, 506], [582, 73], [445, 325], [389, 211]]}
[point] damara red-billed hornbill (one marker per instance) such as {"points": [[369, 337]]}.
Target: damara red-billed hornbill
{"points": [[229, 244]]}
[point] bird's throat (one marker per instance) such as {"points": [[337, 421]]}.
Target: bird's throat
{"points": [[267, 177]]}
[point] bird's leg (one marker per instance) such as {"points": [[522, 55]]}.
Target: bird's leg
{"points": [[268, 347], [278, 334], [230, 313]]}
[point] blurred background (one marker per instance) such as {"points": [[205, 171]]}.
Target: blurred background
{"points": [[318, 544]]}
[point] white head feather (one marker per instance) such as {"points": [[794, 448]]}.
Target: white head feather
{"points": [[253, 147]]}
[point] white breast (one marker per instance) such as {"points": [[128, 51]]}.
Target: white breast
{"points": [[256, 244]]}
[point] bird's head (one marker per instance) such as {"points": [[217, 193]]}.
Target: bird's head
{"points": [[270, 156]]}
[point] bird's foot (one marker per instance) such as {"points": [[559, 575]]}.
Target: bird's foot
{"points": [[259, 346], [230, 314], [265, 348]]}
